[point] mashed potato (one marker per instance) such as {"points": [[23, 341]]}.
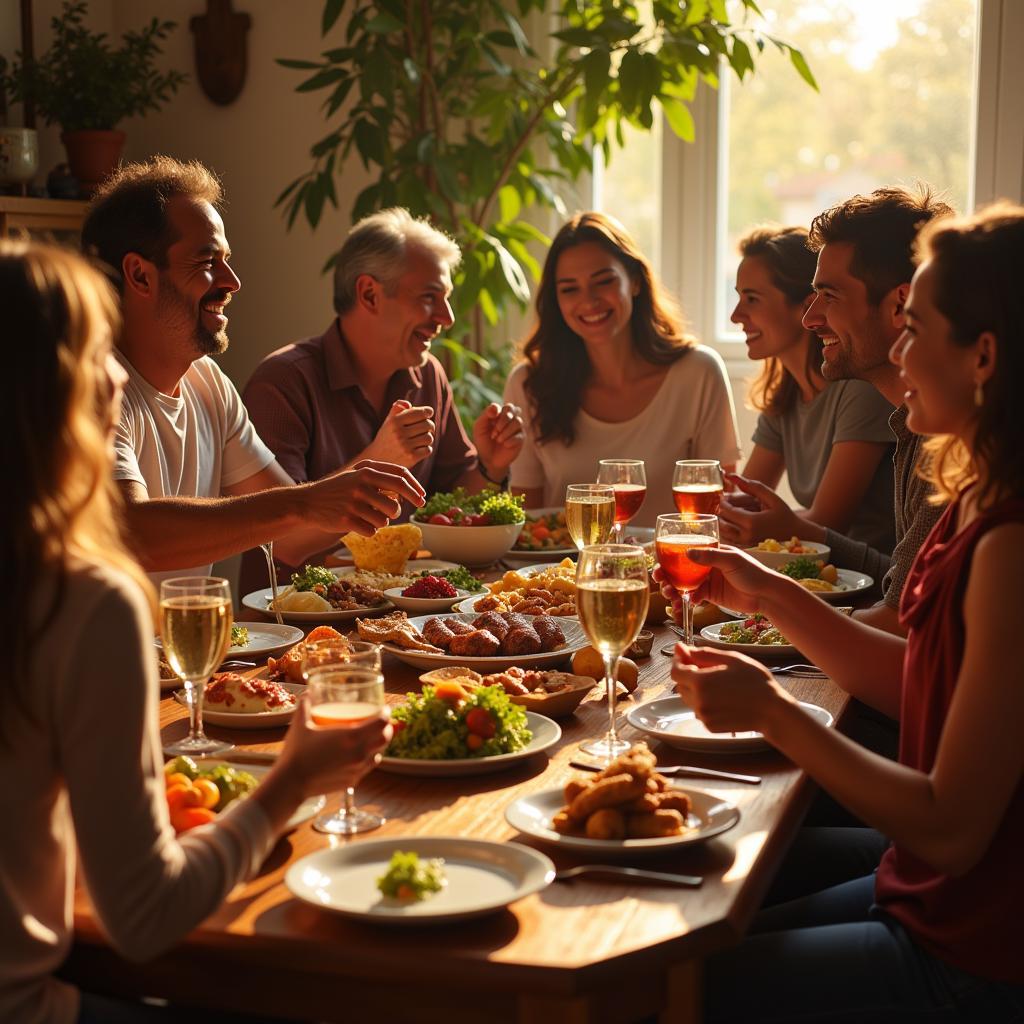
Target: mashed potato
{"points": [[292, 600]]}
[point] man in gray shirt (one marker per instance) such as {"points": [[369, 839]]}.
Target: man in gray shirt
{"points": [[865, 249]]}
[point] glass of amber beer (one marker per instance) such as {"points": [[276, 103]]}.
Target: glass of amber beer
{"points": [[697, 486], [675, 536]]}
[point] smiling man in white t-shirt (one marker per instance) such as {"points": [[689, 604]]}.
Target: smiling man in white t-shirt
{"points": [[198, 483]]}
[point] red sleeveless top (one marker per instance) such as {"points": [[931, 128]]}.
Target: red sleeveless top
{"points": [[974, 922]]}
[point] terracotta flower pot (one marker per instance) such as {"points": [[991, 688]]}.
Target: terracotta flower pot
{"points": [[92, 155]]}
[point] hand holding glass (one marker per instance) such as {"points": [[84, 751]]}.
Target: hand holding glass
{"points": [[612, 594], [345, 695], [195, 629], [629, 484], [674, 537]]}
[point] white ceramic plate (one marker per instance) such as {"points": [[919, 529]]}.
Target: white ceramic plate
{"points": [[424, 605], [848, 584], [546, 734], [236, 720], [575, 638], [309, 807], [673, 722], [549, 554], [482, 877], [712, 637], [259, 600], [709, 816]]}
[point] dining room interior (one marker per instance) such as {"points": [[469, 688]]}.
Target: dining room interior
{"points": [[576, 592]]}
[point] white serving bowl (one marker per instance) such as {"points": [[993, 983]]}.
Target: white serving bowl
{"points": [[424, 605], [777, 559], [470, 545]]}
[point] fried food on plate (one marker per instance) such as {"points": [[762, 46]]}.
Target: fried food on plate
{"points": [[396, 629], [387, 550], [289, 665]]}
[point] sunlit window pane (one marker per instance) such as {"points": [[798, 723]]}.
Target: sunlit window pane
{"points": [[896, 105]]}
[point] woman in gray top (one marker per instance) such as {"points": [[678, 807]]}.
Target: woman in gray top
{"points": [[831, 439]]}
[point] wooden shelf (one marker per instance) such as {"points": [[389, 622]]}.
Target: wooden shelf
{"points": [[41, 216]]}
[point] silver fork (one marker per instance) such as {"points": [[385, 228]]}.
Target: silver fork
{"points": [[615, 871], [799, 669]]}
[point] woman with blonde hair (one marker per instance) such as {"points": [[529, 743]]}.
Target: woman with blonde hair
{"points": [[830, 439], [79, 726], [609, 372], [935, 933]]}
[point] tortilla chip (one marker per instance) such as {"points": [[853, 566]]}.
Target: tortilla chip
{"points": [[387, 550]]}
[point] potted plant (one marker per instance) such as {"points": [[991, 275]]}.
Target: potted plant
{"points": [[88, 87]]}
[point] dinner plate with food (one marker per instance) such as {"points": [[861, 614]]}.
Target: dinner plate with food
{"points": [[544, 536], [548, 692], [241, 702], [543, 589], [419, 880], [672, 721], [828, 582], [192, 801], [436, 590], [625, 809], [449, 729], [485, 642], [319, 594], [754, 635]]}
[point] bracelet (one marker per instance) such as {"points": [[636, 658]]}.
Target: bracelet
{"points": [[502, 483]]}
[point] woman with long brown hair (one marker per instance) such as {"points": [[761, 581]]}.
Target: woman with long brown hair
{"points": [[609, 372], [935, 933], [79, 735], [830, 439]]}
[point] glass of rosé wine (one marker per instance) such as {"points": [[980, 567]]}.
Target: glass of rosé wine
{"points": [[674, 537], [629, 481], [345, 694], [697, 486]]}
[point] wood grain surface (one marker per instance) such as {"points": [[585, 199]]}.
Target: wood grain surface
{"points": [[589, 951]]}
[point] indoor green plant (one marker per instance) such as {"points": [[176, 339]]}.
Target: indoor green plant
{"points": [[460, 117], [88, 87]]}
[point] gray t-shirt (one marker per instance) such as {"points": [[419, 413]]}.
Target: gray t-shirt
{"points": [[846, 410]]}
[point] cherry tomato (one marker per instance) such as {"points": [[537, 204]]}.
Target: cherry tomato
{"points": [[439, 520], [455, 513], [474, 742], [541, 532], [480, 722]]}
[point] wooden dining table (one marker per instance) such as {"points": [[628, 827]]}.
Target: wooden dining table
{"points": [[592, 950]]}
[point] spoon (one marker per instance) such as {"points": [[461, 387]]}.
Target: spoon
{"points": [[615, 871]]}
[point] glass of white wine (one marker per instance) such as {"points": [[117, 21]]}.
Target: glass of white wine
{"points": [[344, 695], [612, 594], [195, 629], [590, 513]]}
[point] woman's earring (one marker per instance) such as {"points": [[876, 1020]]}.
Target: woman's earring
{"points": [[979, 395]]}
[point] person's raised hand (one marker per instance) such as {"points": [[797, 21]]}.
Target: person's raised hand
{"points": [[728, 692], [362, 499], [759, 514], [498, 435], [405, 437]]}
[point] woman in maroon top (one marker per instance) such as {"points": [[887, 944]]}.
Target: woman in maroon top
{"points": [[936, 934]]}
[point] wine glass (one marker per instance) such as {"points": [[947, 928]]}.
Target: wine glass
{"points": [[589, 513], [629, 483], [674, 536], [195, 627], [697, 486], [344, 695], [612, 594], [340, 651], [268, 553]]}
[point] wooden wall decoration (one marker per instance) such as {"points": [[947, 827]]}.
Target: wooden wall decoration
{"points": [[221, 50]]}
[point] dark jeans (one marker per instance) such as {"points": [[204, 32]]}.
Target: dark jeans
{"points": [[833, 957]]}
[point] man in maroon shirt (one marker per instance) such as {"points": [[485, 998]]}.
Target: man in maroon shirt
{"points": [[368, 387]]}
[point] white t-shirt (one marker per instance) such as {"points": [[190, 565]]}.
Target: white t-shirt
{"points": [[691, 416], [189, 445]]}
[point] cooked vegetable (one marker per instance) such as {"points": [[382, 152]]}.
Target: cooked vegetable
{"points": [[409, 878], [802, 569], [313, 576], [239, 636], [460, 578]]}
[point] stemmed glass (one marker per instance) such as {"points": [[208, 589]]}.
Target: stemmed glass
{"points": [[674, 536], [697, 486], [346, 689], [629, 483], [589, 513], [195, 627], [268, 553], [612, 594]]}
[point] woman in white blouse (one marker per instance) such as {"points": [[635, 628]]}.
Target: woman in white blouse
{"points": [[79, 732], [609, 372]]}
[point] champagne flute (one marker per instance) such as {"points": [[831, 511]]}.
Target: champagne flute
{"points": [[629, 483], [195, 626], [345, 695], [674, 536], [697, 486], [612, 594], [589, 513]]}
